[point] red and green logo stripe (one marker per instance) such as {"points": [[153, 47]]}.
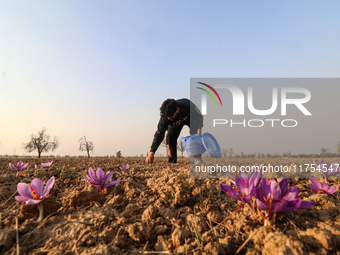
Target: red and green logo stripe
{"points": [[209, 93]]}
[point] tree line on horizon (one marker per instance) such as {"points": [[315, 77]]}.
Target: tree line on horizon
{"points": [[43, 143]]}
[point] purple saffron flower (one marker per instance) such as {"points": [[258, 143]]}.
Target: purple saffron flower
{"points": [[319, 188], [124, 168], [269, 198], [327, 171], [33, 194], [35, 167], [245, 187], [291, 194], [20, 166], [47, 165], [278, 197], [100, 181]]}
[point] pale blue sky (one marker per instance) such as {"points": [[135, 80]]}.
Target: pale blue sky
{"points": [[103, 68]]}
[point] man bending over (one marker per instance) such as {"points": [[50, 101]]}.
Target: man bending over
{"points": [[174, 115]]}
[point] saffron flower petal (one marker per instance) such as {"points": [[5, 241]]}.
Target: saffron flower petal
{"points": [[92, 174], [261, 203], [262, 206], [292, 193], [324, 186], [21, 198], [230, 191], [265, 188], [316, 183], [88, 177], [331, 190], [112, 183], [49, 185], [32, 202], [279, 206], [37, 185], [24, 190], [107, 177], [275, 189], [100, 174], [255, 178], [242, 185], [306, 204], [284, 183], [293, 204], [19, 165], [313, 188], [243, 175], [247, 199], [232, 181]]}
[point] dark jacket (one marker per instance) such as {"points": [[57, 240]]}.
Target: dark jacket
{"points": [[182, 119]]}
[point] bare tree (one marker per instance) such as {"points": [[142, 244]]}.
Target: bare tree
{"points": [[224, 153], [85, 145], [251, 155], [41, 142], [230, 153], [324, 150], [338, 147]]}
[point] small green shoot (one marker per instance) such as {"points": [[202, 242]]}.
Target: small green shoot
{"points": [[197, 232], [171, 195], [60, 173], [70, 171]]}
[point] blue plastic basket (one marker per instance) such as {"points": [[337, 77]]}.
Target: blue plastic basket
{"points": [[193, 145], [210, 144], [198, 144]]}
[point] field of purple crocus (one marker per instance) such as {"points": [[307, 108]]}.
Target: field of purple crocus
{"points": [[70, 206]]}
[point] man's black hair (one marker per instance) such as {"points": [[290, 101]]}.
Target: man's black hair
{"points": [[168, 107]]}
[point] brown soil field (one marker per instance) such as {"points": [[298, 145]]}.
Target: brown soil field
{"points": [[156, 209]]}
